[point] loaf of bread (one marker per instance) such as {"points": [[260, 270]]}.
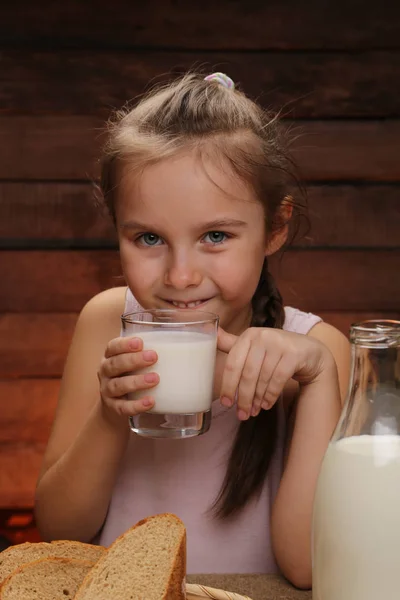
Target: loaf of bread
{"points": [[148, 562], [16, 556], [46, 579]]}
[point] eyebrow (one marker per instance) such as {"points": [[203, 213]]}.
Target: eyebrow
{"points": [[212, 225], [222, 223]]}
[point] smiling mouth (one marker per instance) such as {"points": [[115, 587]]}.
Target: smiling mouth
{"points": [[193, 304]]}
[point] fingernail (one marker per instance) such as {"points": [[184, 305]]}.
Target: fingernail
{"points": [[254, 411], [265, 405], [225, 401], [243, 415], [149, 355], [134, 344], [147, 402], [150, 377]]}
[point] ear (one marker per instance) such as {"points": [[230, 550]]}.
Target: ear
{"points": [[279, 236]]}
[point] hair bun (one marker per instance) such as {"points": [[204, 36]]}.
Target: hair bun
{"points": [[222, 79]]}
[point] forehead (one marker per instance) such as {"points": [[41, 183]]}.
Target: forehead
{"points": [[184, 183]]}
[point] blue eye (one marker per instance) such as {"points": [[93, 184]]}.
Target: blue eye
{"points": [[216, 237], [149, 239]]}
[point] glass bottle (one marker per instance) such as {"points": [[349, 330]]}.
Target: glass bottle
{"points": [[356, 519]]}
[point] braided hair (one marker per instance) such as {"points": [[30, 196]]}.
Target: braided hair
{"points": [[255, 440]]}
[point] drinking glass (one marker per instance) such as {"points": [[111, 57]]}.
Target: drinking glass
{"points": [[186, 344]]}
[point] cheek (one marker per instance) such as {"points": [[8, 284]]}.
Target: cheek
{"points": [[138, 272], [239, 280], [243, 267]]}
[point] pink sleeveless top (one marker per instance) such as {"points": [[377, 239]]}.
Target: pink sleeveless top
{"points": [[184, 476]]}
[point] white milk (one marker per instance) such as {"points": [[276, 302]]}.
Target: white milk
{"points": [[186, 362], [356, 538]]}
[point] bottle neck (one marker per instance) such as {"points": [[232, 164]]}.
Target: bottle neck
{"points": [[373, 401], [375, 367]]}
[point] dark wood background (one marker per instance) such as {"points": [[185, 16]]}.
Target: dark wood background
{"points": [[332, 66]]}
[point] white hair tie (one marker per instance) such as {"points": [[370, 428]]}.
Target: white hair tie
{"points": [[222, 79]]}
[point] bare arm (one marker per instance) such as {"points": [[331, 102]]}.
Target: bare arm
{"points": [[84, 449], [88, 438], [316, 413]]}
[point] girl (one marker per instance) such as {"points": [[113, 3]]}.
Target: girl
{"points": [[196, 180]]}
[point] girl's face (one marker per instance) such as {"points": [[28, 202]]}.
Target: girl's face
{"points": [[191, 237]]}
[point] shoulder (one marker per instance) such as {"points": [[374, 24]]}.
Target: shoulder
{"points": [[106, 304], [298, 321], [332, 338], [98, 323], [328, 334], [100, 317], [339, 346]]}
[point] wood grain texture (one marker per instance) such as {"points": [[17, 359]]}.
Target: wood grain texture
{"points": [[224, 24], [27, 411], [315, 280], [64, 214], [46, 147], [34, 344], [347, 280], [43, 147], [19, 471], [344, 320], [353, 216], [55, 280], [335, 150], [302, 85]]}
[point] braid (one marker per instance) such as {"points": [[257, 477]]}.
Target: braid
{"points": [[255, 440], [268, 308]]}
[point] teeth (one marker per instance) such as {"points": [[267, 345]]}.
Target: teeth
{"points": [[188, 305]]}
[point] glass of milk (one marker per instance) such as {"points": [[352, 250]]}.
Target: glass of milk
{"points": [[356, 520], [186, 344]]}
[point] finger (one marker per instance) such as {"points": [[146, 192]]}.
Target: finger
{"points": [[122, 345], [233, 371], [225, 341], [248, 381], [130, 408], [125, 363], [271, 360], [120, 386], [282, 373]]}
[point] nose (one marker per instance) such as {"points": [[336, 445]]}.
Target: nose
{"points": [[182, 271]]}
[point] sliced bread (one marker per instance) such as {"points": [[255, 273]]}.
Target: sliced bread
{"points": [[46, 579], [16, 556], [148, 562]]}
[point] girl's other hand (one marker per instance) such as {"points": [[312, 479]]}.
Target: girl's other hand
{"points": [[124, 356], [262, 360]]}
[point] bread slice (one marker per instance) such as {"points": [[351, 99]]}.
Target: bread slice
{"points": [[16, 556], [46, 579], [148, 562]]}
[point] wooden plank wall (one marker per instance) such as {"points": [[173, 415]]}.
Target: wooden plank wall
{"points": [[334, 69]]}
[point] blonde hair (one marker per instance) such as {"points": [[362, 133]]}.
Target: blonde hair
{"points": [[214, 121]]}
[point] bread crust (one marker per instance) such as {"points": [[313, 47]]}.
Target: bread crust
{"points": [[49, 559], [178, 578], [47, 546]]}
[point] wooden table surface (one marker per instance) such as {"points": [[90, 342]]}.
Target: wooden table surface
{"points": [[257, 587]]}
